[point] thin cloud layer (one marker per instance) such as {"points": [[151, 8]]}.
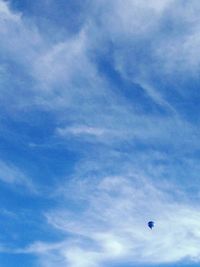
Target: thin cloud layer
{"points": [[112, 225], [12, 175], [104, 116]]}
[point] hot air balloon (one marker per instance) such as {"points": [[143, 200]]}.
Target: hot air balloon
{"points": [[151, 224]]}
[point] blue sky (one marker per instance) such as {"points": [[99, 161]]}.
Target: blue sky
{"points": [[99, 133]]}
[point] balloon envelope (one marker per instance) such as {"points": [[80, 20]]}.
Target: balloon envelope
{"points": [[151, 224]]}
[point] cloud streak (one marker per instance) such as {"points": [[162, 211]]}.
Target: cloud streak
{"points": [[112, 225], [12, 175], [114, 93]]}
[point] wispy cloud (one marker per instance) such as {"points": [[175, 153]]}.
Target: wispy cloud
{"points": [[81, 130], [125, 122], [13, 176], [112, 225]]}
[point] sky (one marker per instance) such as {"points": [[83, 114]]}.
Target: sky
{"points": [[99, 133]]}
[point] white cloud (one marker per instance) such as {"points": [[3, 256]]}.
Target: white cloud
{"points": [[112, 226], [81, 130], [131, 18], [40, 248], [6, 14], [156, 44], [65, 72], [18, 40], [12, 175]]}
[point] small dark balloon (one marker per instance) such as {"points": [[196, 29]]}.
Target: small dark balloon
{"points": [[151, 224]]}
